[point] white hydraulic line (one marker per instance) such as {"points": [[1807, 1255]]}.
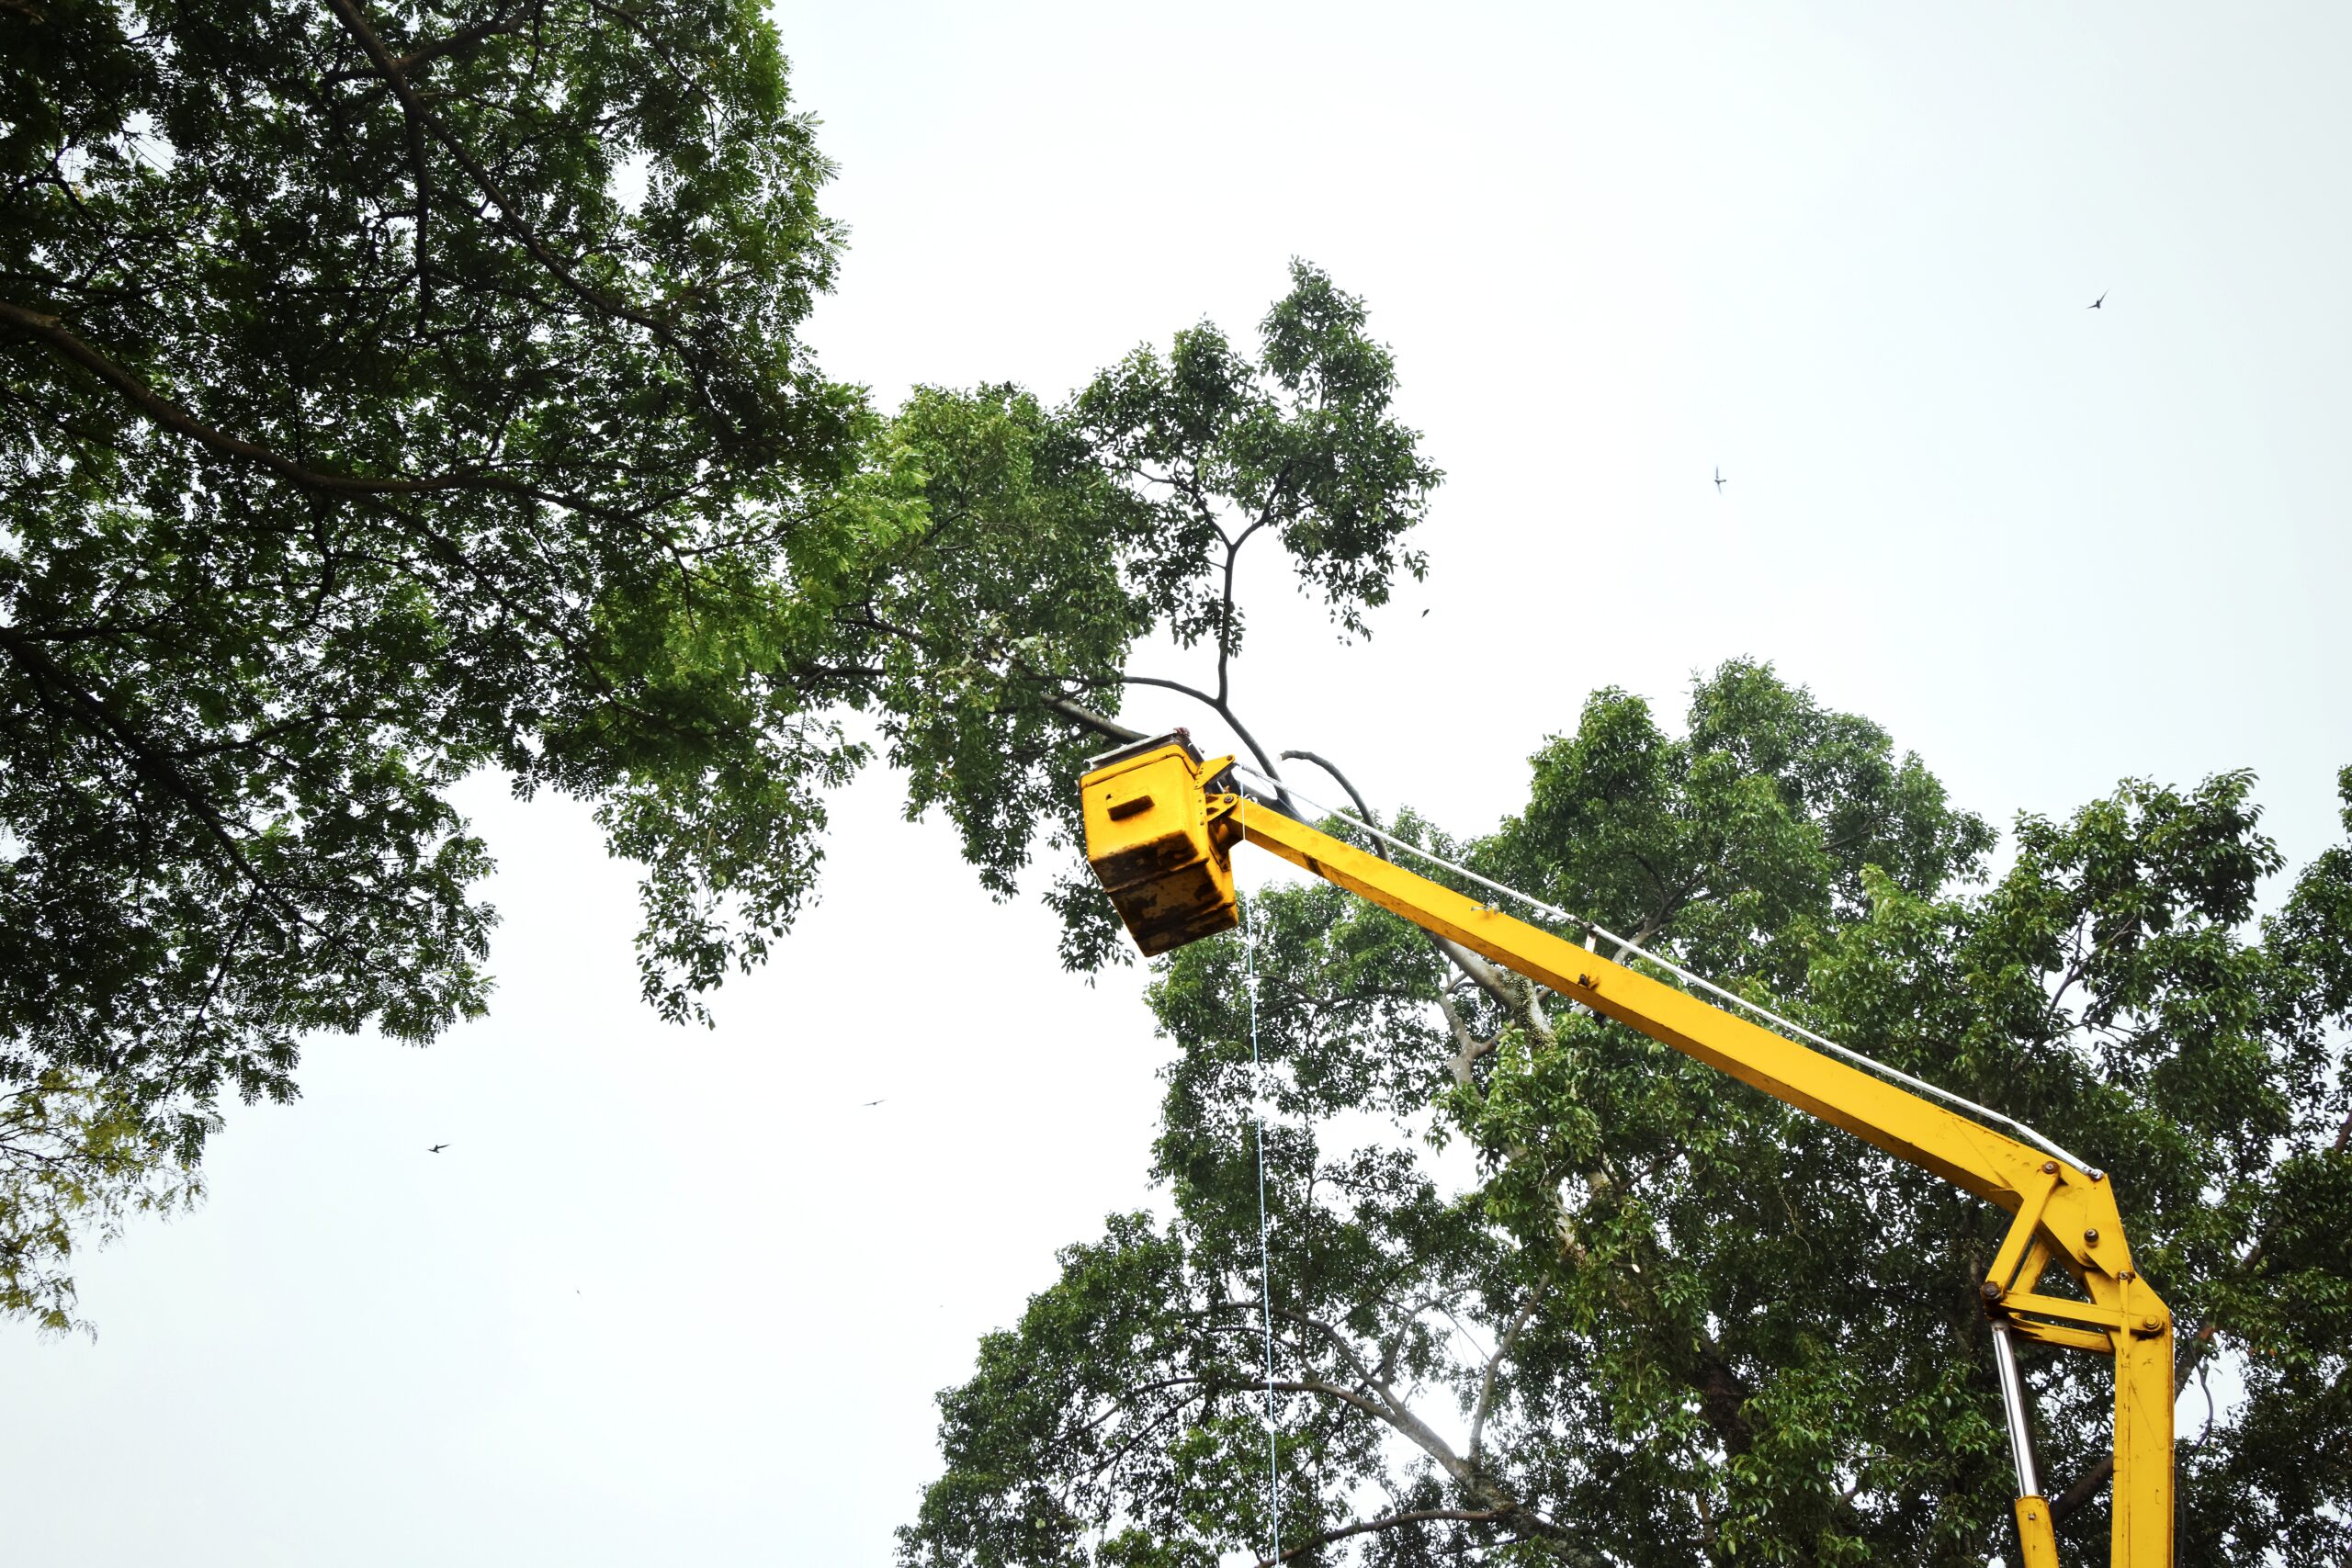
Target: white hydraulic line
{"points": [[1626, 945]]}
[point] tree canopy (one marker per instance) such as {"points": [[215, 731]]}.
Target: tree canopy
{"points": [[1545, 1290], [396, 392]]}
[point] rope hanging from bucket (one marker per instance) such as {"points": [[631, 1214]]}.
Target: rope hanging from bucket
{"points": [[1265, 1268]]}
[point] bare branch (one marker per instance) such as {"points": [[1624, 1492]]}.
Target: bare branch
{"points": [[1224, 711], [1419, 1516], [463, 37], [1381, 1402], [1467, 1047], [1487, 1381], [1648, 929], [1225, 609], [1110, 728]]}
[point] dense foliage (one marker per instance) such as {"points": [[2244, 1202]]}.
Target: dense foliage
{"points": [[1544, 1291], [394, 392]]}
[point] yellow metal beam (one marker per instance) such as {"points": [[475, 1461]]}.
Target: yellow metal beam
{"points": [[2036, 1544], [2084, 1339], [1990, 1164], [2078, 1216], [2018, 1247]]}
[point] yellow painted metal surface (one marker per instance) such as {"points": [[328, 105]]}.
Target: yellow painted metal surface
{"points": [[1166, 866], [2142, 1535], [2036, 1545], [1151, 840]]}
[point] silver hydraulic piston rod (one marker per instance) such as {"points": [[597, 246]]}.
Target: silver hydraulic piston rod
{"points": [[2005, 1365]]}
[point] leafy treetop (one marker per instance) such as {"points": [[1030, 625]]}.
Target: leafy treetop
{"points": [[394, 392]]}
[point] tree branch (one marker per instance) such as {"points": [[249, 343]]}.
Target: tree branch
{"points": [[1467, 1047], [1224, 609], [427, 53], [144, 760], [1395, 1414], [1110, 728], [509, 211], [395, 71], [171, 416], [1419, 1516], [1224, 711], [1494, 1363], [1364, 812]]}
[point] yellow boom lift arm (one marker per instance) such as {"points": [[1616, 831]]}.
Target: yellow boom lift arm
{"points": [[1161, 828]]}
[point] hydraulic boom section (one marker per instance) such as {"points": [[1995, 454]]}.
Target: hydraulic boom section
{"points": [[1160, 827]]}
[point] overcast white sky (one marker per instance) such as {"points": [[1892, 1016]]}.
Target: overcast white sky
{"points": [[675, 1296]]}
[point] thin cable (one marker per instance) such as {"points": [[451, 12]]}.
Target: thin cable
{"points": [[1626, 945], [1265, 1264]]}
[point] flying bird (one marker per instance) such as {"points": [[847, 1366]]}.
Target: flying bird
{"points": [[437, 1148], [874, 1102], [1719, 482], [2097, 302]]}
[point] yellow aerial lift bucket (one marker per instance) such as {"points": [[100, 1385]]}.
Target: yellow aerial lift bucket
{"points": [[1161, 840]]}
